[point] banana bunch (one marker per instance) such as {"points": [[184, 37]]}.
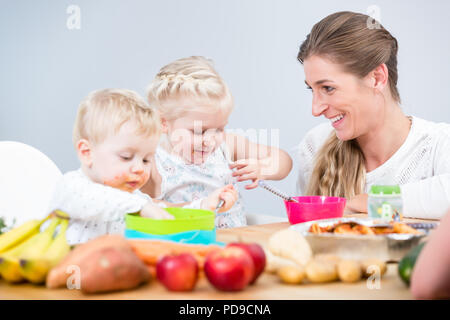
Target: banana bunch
{"points": [[28, 254]]}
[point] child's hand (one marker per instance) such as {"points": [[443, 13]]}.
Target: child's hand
{"points": [[155, 212], [249, 169], [228, 194]]}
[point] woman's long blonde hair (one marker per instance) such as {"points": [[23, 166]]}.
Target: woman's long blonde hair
{"points": [[348, 39]]}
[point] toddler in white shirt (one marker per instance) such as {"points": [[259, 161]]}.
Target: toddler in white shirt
{"points": [[115, 136]]}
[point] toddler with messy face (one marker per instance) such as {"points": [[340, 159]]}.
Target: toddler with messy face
{"points": [[115, 136]]}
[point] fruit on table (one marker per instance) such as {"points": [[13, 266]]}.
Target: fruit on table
{"points": [[57, 277], [229, 269], [35, 269], [257, 254], [321, 270], [178, 272], [349, 270], [31, 248], [15, 236], [291, 274], [150, 251], [406, 264], [111, 269], [292, 245]]}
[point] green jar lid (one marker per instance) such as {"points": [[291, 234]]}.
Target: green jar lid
{"points": [[381, 190], [185, 220]]}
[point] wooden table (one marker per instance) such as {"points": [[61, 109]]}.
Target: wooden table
{"points": [[267, 287]]}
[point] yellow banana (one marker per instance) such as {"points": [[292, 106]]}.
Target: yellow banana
{"points": [[34, 246], [61, 214], [35, 270], [9, 269], [15, 236]]}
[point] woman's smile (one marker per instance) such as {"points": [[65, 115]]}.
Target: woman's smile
{"points": [[337, 120]]}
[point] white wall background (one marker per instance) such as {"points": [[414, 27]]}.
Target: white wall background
{"points": [[46, 69]]}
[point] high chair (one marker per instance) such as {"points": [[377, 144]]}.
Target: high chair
{"points": [[27, 179]]}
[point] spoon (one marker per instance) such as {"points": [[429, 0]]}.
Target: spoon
{"points": [[276, 192], [219, 205]]}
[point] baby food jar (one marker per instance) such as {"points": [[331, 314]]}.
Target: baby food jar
{"points": [[384, 202]]}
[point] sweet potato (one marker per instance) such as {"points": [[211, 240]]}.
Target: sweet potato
{"points": [[112, 269], [152, 270], [57, 277], [149, 251]]}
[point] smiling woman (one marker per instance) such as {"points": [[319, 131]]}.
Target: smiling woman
{"points": [[351, 70]]}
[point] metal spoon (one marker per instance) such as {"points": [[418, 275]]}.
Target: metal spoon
{"points": [[276, 192], [219, 205]]}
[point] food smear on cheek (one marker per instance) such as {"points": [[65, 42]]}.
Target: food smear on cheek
{"points": [[115, 182]]}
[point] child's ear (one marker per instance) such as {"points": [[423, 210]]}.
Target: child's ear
{"points": [[84, 152]]}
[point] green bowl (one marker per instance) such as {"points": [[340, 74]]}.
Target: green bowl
{"points": [[185, 220]]}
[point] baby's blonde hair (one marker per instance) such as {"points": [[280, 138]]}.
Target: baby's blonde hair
{"points": [[104, 111], [193, 78]]}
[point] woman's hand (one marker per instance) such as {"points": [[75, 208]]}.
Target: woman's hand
{"points": [[155, 212], [249, 169], [357, 203], [228, 194]]}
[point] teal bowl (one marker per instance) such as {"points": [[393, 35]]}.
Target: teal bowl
{"points": [[205, 237]]}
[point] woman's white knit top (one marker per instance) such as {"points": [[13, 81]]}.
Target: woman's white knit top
{"points": [[421, 166]]}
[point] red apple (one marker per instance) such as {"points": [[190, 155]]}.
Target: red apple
{"points": [[229, 269], [177, 272], [257, 253]]}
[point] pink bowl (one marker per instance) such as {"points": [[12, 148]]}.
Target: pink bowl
{"points": [[314, 208]]}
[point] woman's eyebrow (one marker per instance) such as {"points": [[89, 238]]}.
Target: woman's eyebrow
{"points": [[319, 81]]}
